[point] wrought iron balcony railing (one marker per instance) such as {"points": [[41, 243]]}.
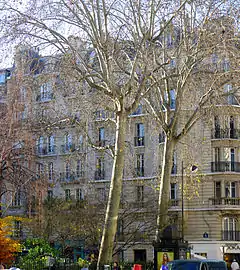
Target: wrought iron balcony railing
{"points": [[99, 175], [226, 133], [67, 148], [225, 201], [225, 166], [46, 150], [139, 141], [231, 235]]}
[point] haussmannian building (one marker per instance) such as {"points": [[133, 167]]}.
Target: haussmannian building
{"points": [[76, 171]]}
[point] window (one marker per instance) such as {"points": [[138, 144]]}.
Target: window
{"points": [[80, 171], [169, 100], [50, 194], [232, 129], [39, 169], [139, 139], [16, 198], [81, 142], [99, 174], [51, 144], [225, 65], [40, 144], [67, 194], [17, 232], [174, 165], [46, 91], [2, 78], [140, 194], [101, 136], [68, 141], [217, 127], [50, 171], [173, 191], [172, 99], [230, 190], [229, 228], [79, 194], [228, 90], [120, 226], [68, 171], [140, 165], [217, 188]]}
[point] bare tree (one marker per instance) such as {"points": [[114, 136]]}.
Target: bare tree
{"points": [[201, 49], [119, 49]]}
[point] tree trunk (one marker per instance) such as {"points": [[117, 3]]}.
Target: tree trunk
{"points": [[110, 226], [164, 188]]}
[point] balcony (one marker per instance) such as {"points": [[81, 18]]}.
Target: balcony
{"points": [[67, 148], [225, 166], [225, 201], [139, 141], [226, 133], [99, 175], [139, 171], [67, 177], [46, 150], [231, 235], [174, 202], [44, 97]]}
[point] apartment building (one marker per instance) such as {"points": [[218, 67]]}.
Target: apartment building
{"points": [[70, 156]]}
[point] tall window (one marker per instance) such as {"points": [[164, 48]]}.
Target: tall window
{"points": [[232, 128], [140, 165], [174, 165], [67, 194], [68, 171], [173, 191], [68, 141], [16, 198], [80, 170], [230, 190], [99, 168], [51, 142], [217, 127], [79, 194], [231, 99], [139, 139], [17, 228], [40, 144], [229, 228], [39, 169], [101, 136], [46, 91], [172, 99], [50, 194], [50, 171], [217, 189]]}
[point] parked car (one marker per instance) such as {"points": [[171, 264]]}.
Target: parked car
{"points": [[197, 265]]}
